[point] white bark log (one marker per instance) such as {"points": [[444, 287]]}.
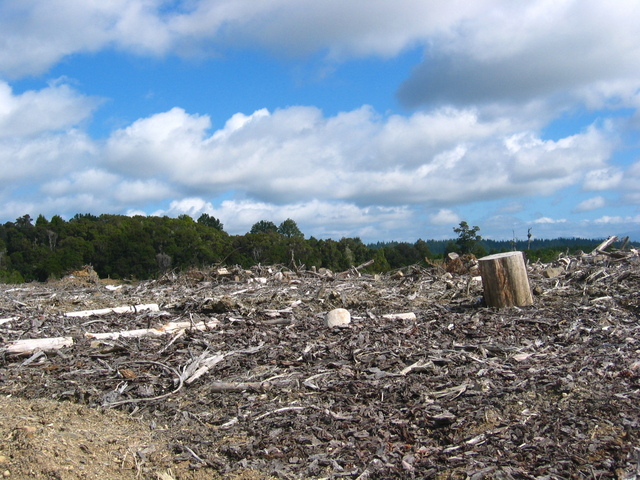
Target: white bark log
{"points": [[30, 345], [607, 243], [171, 327], [151, 307], [400, 316]]}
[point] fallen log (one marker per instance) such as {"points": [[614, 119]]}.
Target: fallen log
{"points": [[222, 387], [607, 243], [7, 320], [356, 270], [171, 327], [400, 316], [29, 345], [151, 307]]}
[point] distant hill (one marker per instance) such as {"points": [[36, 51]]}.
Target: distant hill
{"points": [[634, 236], [438, 247]]}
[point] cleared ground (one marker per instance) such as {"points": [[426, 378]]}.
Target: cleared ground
{"points": [[459, 391]]}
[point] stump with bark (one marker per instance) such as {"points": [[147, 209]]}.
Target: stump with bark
{"points": [[504, 280]]}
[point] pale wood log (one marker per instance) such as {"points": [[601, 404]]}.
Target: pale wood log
{"points": [[504, 280], [625, 243], [29, 345], [364, 265], [356, 270], [607, 243], [7, 320], [400, 316], [165, 329], [152, 307]]}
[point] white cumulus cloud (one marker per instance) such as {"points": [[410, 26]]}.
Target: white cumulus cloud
{"points": [[39, 33], [494, 74], [589, 204], [57, 107], [602, 179], [444, 217], [548, 220], [521, 51], [325, 219], [354, 156], [617, 219]]}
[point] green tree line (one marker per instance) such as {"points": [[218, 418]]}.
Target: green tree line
{"points": [[140, 247]]}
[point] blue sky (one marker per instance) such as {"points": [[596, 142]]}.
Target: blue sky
{"points": [[383, 120]]}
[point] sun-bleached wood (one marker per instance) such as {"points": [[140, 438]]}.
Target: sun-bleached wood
{"points": [[21, 347], [504, 280], [29, 345], [151, 307]]}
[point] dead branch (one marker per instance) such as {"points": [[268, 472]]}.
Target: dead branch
{"points": [[206, 362], [280, 410], [222, 387], [152, 399], [419, 366], [200, 366]]}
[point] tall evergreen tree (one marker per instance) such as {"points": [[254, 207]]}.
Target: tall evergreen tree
{"points": [[263, 226], [209, 221], [467, 237], [289, 229]]}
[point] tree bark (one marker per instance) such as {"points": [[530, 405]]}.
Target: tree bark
{"points": [[504, 280]]}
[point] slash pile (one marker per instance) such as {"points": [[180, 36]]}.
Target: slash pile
{"points": [[253, 384]]}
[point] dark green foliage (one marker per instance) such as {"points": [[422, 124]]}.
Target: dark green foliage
{"points": [[264, 226], [141, 247], [10, 276], [289, 229], [380, 263], [116, 246], [209, 221], [422, 248], [467, 237]]}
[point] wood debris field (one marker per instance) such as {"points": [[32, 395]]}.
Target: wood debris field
{"points": [[231, 373]]}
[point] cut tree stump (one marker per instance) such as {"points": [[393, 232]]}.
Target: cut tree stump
{"points": [[504, 280]]}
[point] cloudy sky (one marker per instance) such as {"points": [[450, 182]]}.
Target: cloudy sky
{"points": [[370, 118]]}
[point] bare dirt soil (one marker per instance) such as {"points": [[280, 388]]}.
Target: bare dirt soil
{"points": [[249, 383]]}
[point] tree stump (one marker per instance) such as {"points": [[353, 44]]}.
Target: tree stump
{"points": [[504, 280]]}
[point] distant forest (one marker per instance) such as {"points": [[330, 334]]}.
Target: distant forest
{"points": [[139, 247]]}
